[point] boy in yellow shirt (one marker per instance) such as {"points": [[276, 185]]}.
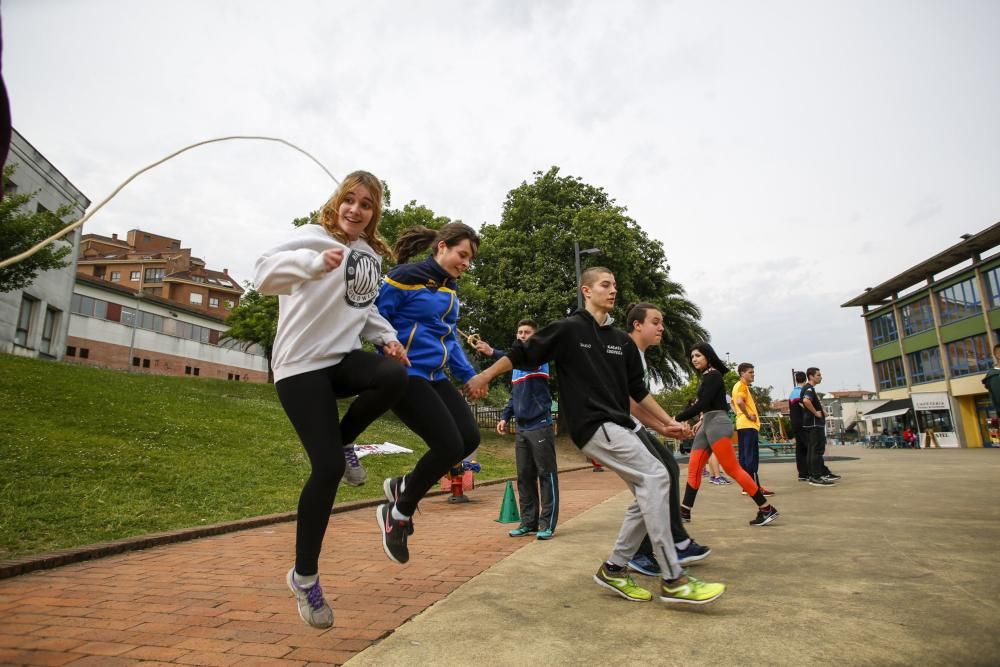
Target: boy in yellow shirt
{"points": [[748, 424]]}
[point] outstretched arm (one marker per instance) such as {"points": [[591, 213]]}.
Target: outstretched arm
{"points": [[478, 386]]}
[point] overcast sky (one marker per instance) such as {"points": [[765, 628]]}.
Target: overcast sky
{"points": [[787, 154]]}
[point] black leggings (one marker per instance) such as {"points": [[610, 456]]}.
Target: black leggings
{"points": [[310, 401], [437, 413], [660, 451]]}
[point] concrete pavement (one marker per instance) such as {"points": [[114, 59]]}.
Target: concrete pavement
{"points": [[895, 565]]}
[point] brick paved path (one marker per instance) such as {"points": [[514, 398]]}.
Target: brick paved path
{"points": [[223, 601]]}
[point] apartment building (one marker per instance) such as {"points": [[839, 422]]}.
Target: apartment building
{"points": [[158, 266], [34, 321], [930, 332]]}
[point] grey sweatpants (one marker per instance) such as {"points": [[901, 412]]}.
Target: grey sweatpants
{"points": [[619, 449]]}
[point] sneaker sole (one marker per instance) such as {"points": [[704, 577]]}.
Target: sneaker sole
{"points": [[381, 530], [765, 521], [683, 601], [694, 559], [604, 584], [815, 484], [351, 482], [387, 490]]}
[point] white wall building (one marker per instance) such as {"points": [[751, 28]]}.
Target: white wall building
{"points": [[34, 321]]}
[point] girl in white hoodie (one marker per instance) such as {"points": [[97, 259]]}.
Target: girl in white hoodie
{"points": [[326, 277]]}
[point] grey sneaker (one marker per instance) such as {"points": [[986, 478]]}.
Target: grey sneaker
{"points": [[312, 605], [355, 473]]}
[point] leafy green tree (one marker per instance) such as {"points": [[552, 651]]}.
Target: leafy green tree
{"points": [[525, 266], [20, 229], [255, 321]]}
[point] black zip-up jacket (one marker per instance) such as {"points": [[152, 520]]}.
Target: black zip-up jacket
{"points": [[599, 368]]}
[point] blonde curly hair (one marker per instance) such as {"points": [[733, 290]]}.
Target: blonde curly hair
{"points": [[328, 214]]}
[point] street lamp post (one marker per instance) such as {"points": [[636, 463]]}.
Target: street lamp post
{"points": [[577, 252]]}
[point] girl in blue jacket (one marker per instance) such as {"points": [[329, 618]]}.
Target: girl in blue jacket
{"points": [[420, 301]]}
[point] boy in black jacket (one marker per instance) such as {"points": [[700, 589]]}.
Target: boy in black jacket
{"points": [[599, 370]]}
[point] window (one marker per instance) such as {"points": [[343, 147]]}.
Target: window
{"points": [[883, 329], [134, 276], [128, 317], [84, 353], [969, 355], [48, 330], [145, 363], [24, 320], [155, 275], [70, 351], [917, 316], [196, 298], [959, 301], [187, 370], [213, 302], [135, 361], [992, 280], [198, 279], [99, 271], [925, 365], [196, 370], [116, 276], [890, 373]]}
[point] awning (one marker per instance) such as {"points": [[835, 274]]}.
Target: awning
{"points": [[893, 408]]}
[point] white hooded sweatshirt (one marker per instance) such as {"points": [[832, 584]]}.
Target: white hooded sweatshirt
{"points": [[321, 316]]}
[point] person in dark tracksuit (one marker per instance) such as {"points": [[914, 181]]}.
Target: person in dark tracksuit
{"points": [[600, 369], [795, 418], [534, 444]]}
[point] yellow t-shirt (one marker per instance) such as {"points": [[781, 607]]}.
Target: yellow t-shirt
{"points": [[742, 390]]}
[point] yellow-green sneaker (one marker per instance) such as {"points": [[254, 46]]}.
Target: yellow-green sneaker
{"points": [[695, 591], [621, 583]]}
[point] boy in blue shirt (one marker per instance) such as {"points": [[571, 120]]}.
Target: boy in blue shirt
{"points": [[534, 444]]}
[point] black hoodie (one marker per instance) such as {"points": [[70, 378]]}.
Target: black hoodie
{"points": [[598, 368]]}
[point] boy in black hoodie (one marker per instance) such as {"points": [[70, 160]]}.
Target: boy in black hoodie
{"points": [[599, 370]]}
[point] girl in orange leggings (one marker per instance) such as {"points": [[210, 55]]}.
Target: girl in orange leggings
{"points": [[714, 434]]}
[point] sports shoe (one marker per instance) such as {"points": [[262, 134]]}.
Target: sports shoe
{"points": [[621, 583], [766, 492], [820, 481], [646, 565], [831, 477], [724, 480], [521, 531], [704, 472], [764, 518], [393, 487], [312, 605], [545, 534], [394, 532], [803, 479], [685, 514], [355, 473], [695, 591], [694, 553]]}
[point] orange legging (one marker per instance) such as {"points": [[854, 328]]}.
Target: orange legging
{"points": [[723, 450]]}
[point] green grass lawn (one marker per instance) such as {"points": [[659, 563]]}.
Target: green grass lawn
{"points": [[89, 455]]}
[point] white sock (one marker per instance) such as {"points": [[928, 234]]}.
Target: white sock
{"points": [[305, 582], [397, 515], [683, 544]]}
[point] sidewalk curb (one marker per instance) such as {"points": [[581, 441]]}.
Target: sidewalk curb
{"points": [[53, 559]]}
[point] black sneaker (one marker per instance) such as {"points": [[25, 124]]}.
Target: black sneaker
{"points": [[831, 477], [803, 479], [393, 487], [694, 553], [820, 481], [394, 532], [764, 518], [685, 514]]}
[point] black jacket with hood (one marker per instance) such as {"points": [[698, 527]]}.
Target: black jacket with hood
{"points": [[598, 369]]}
